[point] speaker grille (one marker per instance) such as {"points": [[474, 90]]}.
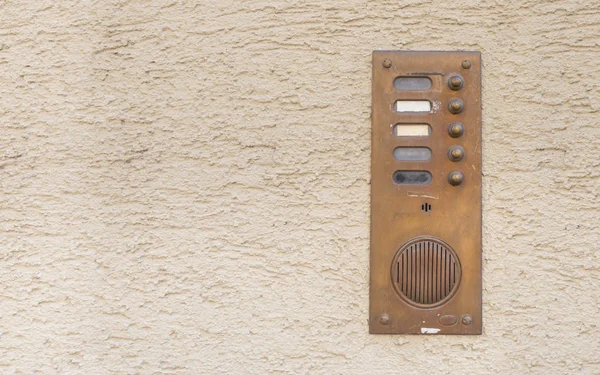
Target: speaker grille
{"points": [[426, 272]]}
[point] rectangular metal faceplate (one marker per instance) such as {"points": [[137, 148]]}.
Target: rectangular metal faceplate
{"points": [[426, 193]]}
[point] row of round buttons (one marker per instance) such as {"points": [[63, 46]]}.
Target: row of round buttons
{"points": [[455, 130]]}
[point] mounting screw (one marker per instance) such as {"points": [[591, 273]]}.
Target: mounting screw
{"points": [[466, 64], [456, 83], [456, 106], [467, 320], [384, 319], [455, 178], [387, 63], [456, 129], [456, 153]]}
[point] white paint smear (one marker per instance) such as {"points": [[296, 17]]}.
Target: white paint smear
{"points": [[430, 330]]}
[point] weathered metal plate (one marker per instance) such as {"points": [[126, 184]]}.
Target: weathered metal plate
{"points": [[426, 232]]}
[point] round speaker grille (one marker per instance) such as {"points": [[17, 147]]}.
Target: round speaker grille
{"points": [[426, 272]]}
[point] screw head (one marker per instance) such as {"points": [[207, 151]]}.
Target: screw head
{"points": [[386, 63], [466, 64], [384, 319], [467, 320], [456, 83], [456, 153], [456, 129], [455, 178], [456, 106]]}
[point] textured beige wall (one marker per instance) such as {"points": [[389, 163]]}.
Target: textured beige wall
{"points": [[185, 186]]}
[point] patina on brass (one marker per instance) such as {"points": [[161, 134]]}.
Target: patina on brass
{"points": [[456, 178], [426, 234], [456, 153], [455, 83], [456, 129], [456, 105]]}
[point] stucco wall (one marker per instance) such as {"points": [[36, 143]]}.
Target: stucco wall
{"points": [[185, 186]]}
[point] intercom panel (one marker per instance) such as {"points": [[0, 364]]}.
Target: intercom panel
{"points": [[426, 193]]}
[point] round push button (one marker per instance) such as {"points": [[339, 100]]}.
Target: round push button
{"points": [[456, 83], [456, 153], [467, 320], [456, 106], [456, 129], [456, 178]]}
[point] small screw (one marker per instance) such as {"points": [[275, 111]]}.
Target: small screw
{"points": [[387, 63], [384, 319], [456, 106], [466, 64], [467, 320]]}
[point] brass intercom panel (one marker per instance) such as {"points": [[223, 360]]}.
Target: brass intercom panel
{"points": [[426, 193]]}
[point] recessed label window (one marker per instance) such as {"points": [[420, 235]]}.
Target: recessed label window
{"points": [[412, 83], [412, 177], [412, 130], [412, 153], [403, 106]]}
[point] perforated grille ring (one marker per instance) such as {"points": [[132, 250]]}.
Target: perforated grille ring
{"points": [[426, 272]]}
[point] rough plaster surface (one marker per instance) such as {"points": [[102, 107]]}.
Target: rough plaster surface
{"points": [[185, 186]]}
